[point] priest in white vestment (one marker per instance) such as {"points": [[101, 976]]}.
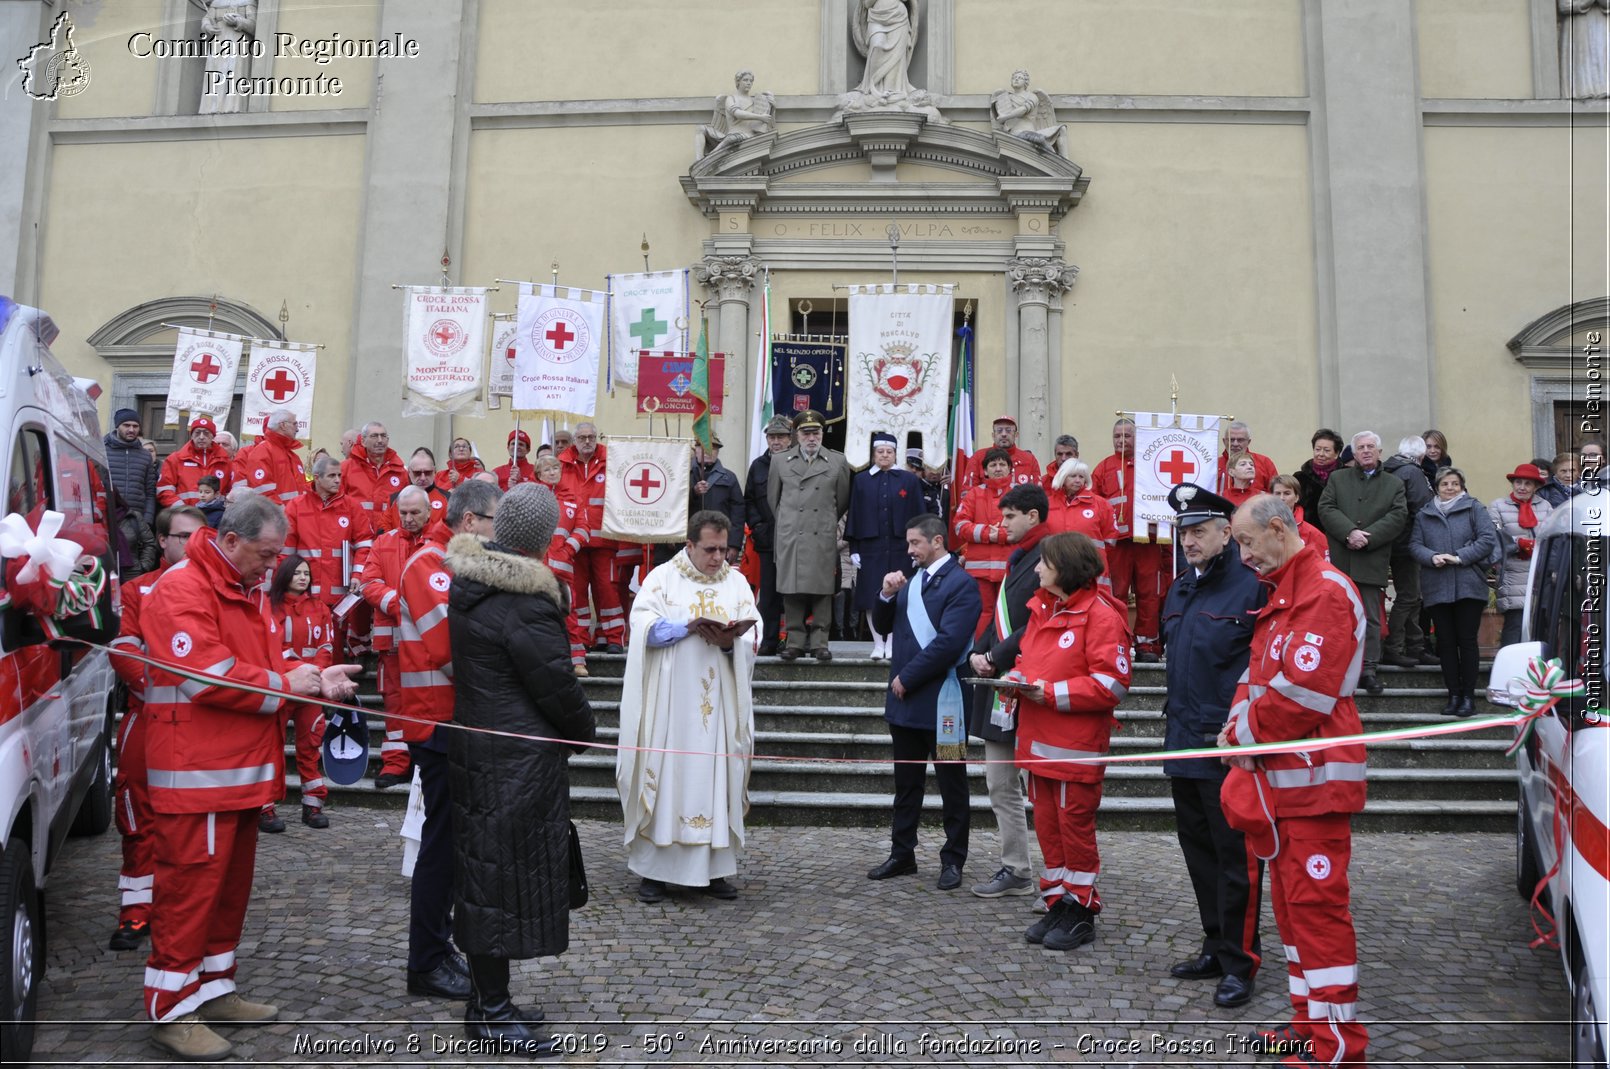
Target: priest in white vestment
{"points": [[687, 690]]}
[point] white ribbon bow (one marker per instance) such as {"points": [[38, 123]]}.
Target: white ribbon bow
{"points": [[58, 556]]}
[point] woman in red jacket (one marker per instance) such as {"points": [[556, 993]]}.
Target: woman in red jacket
{"points": [[1241, 479], [1289, 490], [1076, 507], [1074, 666], [980, 535], [568, 538], [462, 465], [305, 625]]}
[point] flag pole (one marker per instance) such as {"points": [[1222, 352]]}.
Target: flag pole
{"points": [[893, 233]]}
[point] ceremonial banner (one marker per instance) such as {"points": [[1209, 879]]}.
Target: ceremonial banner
{"points": [[646, 489], [1169, 451], [808, 374], [898, 371], [203, 379], [556, 350], [280, 375], [665, 383], [500, 362], [644, 310], [444, 349]]}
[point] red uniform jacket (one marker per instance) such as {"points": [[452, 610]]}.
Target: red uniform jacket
{"points": [[1263, 467], [424, 653], [212, 748], [438, 510], [979, 534], [1025, 469], [568, 537], [307, 629], [1307, 651], [182, 471], [272, 467], [1087, 513], [584, 482], [1078, 650], [129, 638], [528, 474], [464, 469], [1312, 536], [1114, 479], [1238, 497], [371, 484], [327, 533], [382, 577]]}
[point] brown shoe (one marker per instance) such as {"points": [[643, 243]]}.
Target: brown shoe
{"points": [[230, 1008], [187, 1039], [822, 653], [580, 670], [789, 653]]}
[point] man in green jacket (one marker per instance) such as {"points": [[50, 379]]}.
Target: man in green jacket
{"points": [[1362, 512]]}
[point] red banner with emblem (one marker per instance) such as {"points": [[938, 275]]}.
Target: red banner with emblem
{"points": [[665, 381]]}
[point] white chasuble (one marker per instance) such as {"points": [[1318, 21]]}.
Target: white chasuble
{"points": [[687, 729]]}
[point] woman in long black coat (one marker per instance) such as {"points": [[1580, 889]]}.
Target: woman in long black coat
{"points": [[511, 798]]}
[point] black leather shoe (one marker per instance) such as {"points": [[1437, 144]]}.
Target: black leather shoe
{"points": [[1371, 685], [822, 653], [1147, 657], [1430, 659], [456, 962], [721, 888], [1401, 660], [950, 877], [1467, 705], [768, 648], [1233, 991], [1053, 917], [440, 982], [1076, 928], [387, 780], [652, 891], [614, 647], [1202, 967], [894, 866], [1452, 708], [789, 653]]}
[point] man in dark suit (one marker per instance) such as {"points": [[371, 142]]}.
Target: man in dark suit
{"points": [[762, 527], [932, 618]]}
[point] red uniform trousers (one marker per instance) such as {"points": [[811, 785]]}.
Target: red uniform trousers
{"points": [[989, 590], [1309, 890], [204, 866], [1146, 568], [309, 722], [132, 805], [595, 572], [1065, 824], [393, 751]]}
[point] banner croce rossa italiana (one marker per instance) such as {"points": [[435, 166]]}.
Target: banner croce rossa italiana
{"points": [[444, 349], [280, 376], [203, 378], [556, 349], [646, 489], [1169, 451], [897, 372]]}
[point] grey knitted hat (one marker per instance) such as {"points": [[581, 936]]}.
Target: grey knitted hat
{"points": [[526, 519]]}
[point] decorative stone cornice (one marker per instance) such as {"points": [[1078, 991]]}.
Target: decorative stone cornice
{"points": [[731, 277], [1545, 344], [1037, 279]]}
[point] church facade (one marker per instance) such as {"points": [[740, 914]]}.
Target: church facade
{"points": [[1375, 214]]}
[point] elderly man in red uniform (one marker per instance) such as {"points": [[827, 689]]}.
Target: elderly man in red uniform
{"points": [[1307, 652], [1140, 565], [131, 792], [421, 473], [271, 465], [373, 471], [1003, 435], [178, 483], [332, 531], [583, 482], [518, 470], [215, 754], [1238, 439]]}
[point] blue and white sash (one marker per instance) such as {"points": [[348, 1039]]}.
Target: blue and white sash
{"points": [[950, 724]]}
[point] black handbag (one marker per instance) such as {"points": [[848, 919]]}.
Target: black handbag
{"points": [[578, 871]]}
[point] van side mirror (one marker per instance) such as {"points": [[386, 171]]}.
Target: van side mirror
{"points": [[1507, 680]]}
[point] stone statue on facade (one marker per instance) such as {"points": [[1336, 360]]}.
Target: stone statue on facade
{"points": [[228, 27], [1584, 49], [885, 32], [1027, 113], [738, 116]]}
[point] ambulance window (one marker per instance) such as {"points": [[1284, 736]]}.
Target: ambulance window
{"points": [[1552, 584], [1568, 637], [28, 489]]}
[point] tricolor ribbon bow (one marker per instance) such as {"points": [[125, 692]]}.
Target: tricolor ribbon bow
{"points": [[58, 557], [1544, 685]]}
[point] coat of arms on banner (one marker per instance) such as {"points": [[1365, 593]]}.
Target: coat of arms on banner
{"points": [[899, 373]]}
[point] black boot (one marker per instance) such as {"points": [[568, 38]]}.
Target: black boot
{"points": [[491, 1013], [1467, 705], [1452, 708]]}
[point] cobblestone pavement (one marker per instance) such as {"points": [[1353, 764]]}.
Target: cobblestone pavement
{"points": [[813, 952]]}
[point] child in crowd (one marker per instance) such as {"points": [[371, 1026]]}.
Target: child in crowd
{"points": [[209, 500]]}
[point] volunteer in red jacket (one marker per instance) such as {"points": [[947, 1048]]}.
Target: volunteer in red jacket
{"points": [[373, 471], [1074, 664], [980, 535], [462, 466], [583, 479], [331, 530], [518, 470], [305, 629], [214, 755], [271, 465], [1238, 439], [1076, 507], [568, 539], [131, 794], [1142, 566], [182, 471], [1025, 467], [1289, 490], [421, 473], [1307, 652]]}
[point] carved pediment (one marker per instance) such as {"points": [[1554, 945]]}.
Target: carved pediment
{"points": [[850, 167]]}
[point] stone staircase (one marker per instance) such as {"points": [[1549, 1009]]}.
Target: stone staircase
{"points": [[828, 719]]}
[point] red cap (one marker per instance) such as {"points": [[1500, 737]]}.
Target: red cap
{"points": [[1003, 419], [202, 423], [1528, 471], [525, 439]]}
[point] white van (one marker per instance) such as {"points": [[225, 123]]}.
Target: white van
{"points": [[56, 698], [1565, 764]]}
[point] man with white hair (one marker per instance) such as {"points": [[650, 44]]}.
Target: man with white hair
{"points": [[271, 465], [1405, 642], [227, 440], [1362, 511], [1238, 439], [373, 471]]}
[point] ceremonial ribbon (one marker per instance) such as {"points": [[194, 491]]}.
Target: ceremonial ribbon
{"points": [[1262, 749], [57, 556]]}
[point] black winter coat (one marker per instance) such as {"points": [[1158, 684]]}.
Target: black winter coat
{"points": [[1207, 633], [1020, 584], [724, 496], [134, 474], [1416, 491], [757, 509], [511, 798]]}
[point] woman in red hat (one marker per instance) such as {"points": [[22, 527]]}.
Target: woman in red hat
{"points": [[1517, 518], [518, 469]]}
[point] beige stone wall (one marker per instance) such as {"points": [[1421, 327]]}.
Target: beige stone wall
{"points": [[1226, 47], [1516, 228], [352, 19], [551, 50], [120, 83], [260, 221], [1474, 48]]}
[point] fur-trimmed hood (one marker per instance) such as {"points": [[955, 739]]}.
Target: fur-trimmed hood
{"points": [[476, 560]]}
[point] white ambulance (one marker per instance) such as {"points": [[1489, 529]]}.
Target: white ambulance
{"points": [[1564, 812], [56, 698]]}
